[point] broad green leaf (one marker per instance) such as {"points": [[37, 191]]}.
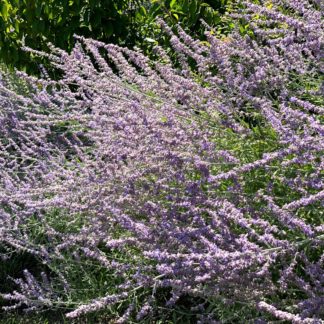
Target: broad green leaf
{"points": [[175, 16], [5, 10], [143, 11], [172, 3]]}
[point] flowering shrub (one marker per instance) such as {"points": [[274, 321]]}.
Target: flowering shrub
{"points": [[202, 183]]}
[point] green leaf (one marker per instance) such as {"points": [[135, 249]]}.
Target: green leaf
{"points": [[5, 10], [164, 119], [172, 3], [193, 7], [176, 16], [154, 10], [108, 29], [38, 9], [143, 11], [17, 26], [185, 6]]}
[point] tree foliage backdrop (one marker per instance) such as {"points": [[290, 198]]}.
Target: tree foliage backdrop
{"points": [[34, 23]]}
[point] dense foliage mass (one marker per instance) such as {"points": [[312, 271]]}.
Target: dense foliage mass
{"points": [[35, 23], [198, 179]]}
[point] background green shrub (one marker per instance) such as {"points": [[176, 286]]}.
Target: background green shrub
{"points": [[36, 22], [126, 22]]}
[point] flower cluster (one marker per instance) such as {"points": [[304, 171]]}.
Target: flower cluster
{"points": [[153, 160]]}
